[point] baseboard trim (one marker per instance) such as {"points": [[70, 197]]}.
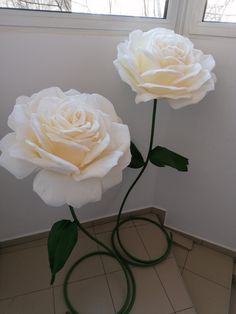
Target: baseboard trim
{"points": [[42, 235], [160, 212], [204, 242]]}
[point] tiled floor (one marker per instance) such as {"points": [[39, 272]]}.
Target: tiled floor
{"points": [[233, 300], [208, 277], [98, 285]]}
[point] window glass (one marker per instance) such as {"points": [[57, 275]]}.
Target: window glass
{"points": [[220, 11], [147, 8]]}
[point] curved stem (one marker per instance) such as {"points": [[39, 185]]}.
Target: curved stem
{"points": [[146, 161], [76, 220], [131, 286]]}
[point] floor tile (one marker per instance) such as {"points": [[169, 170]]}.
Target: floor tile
{"points": [[188, 311], [234, 274], [153, 239], [36, 303], [88, 268], [207, 297], [172, 281], [87, 296], [106, 227], [150, 298], [4, 306], [26, 245], [233, 300], [89, 229], [144, 222], [210, 265], [24, 271], [39, 242], [180, 255], [133, 243], [110, 264], [109, 226]]}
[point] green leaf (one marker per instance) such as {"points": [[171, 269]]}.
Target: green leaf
{"points": [[137, 159], [61, 241], [161, 157]]}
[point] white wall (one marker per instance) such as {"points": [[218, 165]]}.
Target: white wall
{"points": [[201, 202]]}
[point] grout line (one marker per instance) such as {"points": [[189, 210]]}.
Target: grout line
{"points": [[188, 308], [109, 289], [164, 288], [18, 247], [24, 294], [185, 262], [102, 232], [21, 249], [79, 280], [155, 269], [54, 301], [212, 281]]}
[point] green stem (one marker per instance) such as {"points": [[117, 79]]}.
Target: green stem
{"points": [[130, 282], [76, 220], [145, 163]]}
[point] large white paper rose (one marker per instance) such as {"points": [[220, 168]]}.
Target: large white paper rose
{"points": [[161, 64], [76, 141]]}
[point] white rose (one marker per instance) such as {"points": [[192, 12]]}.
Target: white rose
{"points": [[161, 64], [76, 141]]}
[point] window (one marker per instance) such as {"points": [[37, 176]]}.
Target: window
{"points": [[211, 17], [144, 8], [99, 15], [220, 11]]}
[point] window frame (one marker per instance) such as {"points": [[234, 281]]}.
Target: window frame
{"points": [[83, 21], [196, 25]]}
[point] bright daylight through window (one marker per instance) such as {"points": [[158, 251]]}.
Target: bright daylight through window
{"points": [[146, 8], [220, 11]]}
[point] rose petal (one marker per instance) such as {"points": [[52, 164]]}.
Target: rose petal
{"points": [[96, 151], [195, 97], [56, 189], [100, 167], [207, 62], [7, 141], [22, 100], [19, 168], [18, 120], [120, 137], [127, 75], [23, 152], [145, 97], [72, 92], [162, 76], [57, 161], [113, 178], [99, 102], [47, 92]]}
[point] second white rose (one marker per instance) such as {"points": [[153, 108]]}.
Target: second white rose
{"points": [[162, 64]]}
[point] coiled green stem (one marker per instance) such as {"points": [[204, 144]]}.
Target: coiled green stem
{"points": [[130, 282], [117, 244]]}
